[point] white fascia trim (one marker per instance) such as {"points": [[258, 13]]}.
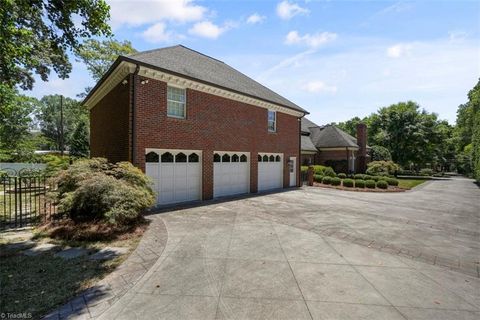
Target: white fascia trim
{"points": [[180, 82], [122, 70], [338, 149]]}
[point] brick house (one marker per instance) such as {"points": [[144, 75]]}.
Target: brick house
{"points": [[328, 145], [199, 128]]}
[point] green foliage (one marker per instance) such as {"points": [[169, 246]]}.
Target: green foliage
{"points": [[79, 140], [55, 163], [392, 181], [382, 184], [375, 178], [382, 168], [426, 172], [370, 184], [336, 181], [474, 100], [348, 183], [99, 55], [97, 190], [350, 126], [327, 180], [318, 178], [329, 172], [342, 175], [37, 35], [380, 153], [318, 169], [359, 176], [303, 168], [360, 183]]}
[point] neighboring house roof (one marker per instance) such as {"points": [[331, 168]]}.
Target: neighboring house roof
{"points": [[331, 137], [307, 144], [188, 62]]}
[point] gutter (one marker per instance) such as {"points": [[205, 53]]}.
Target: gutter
{"points": [[133, 106]]}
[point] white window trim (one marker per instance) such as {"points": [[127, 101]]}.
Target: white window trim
{"points": [[184, 105], [274, 121]]}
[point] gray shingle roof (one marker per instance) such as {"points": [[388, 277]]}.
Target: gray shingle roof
{"points": [[331, 137], [193, 64], [307, 124], [307, 144]]}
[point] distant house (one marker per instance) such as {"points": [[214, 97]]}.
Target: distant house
{"points": [[198, 127], [329, 145]]}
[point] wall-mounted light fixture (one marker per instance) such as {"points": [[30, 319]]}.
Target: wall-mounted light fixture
{"points": [[144, 81], [124, 82]]}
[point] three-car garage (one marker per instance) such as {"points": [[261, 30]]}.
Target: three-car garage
{"points": [[177, 174]]}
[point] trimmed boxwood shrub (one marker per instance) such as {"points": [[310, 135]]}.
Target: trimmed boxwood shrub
{"points": [[342, 175], [370, 184], [375, 178], [336, 181], [359, 176], [318, 178], [329, 172], [382, 184], [318, 169], [392, 182], [327, 180], [360, 183], [348, 183]]}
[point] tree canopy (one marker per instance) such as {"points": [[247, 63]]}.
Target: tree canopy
{"points": [[36, 35]]}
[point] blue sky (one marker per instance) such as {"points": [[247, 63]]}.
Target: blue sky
{"points": [[337, 59]]}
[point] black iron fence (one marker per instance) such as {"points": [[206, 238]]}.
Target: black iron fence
{"points": [[25, 201], [304, 177]]}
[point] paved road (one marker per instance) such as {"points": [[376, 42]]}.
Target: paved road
{"points": [[317, 253]]}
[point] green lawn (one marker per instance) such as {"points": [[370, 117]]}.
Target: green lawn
{"points": [[410, 183]]}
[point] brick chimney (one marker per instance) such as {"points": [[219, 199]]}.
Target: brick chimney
{"points": [[362, 143]]}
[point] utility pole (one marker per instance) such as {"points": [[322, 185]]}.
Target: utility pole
{"points": [[61, 126]]}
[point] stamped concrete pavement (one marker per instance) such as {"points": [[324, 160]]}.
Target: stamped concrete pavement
{"points": [[315, 253]]}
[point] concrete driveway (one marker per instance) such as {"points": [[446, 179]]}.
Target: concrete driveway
{"points": [[318, 253]]}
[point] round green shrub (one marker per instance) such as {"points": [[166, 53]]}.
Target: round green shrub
{"points": [[392, 182], [382, 184], [348, 183], [359, 176], [370, 184], [360, 183], [375, 178], [336, 181], [318, 178], [327, 180], [318, 169], [328, 171], [94, 189], [342, 175]]}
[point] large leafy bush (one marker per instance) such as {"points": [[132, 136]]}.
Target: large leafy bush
{"points": [[380, 153], [382, 168], [97, 190]]}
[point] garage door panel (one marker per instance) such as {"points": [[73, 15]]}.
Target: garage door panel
{"points": [[270, 171], [229, 175], [175, 181]]}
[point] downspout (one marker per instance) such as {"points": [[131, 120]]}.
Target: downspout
{"points": [[299, 160], [133, 104]]}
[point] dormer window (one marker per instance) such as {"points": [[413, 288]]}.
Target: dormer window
{"points": [[176, 102], [272, 121]]}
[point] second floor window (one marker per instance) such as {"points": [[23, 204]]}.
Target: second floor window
{"points": [[176, 102], [272, 121]]}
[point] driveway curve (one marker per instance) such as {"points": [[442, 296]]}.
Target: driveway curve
{"points": [[316, 253]]}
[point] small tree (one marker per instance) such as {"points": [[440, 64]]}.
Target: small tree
{"points": [[79, 142], [380, 153]]}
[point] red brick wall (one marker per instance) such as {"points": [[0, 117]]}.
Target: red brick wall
{"points": [[212, 123], [110, 125]]}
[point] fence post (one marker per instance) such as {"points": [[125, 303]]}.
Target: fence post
{"points": [[310, 175]]}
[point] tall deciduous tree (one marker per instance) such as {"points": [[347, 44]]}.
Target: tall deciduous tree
{"points": [[98, 56], [36, 35]]}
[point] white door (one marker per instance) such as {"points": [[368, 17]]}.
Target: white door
{"points": [[270, 171], [293, 171], [231, 173], [176, 174]]}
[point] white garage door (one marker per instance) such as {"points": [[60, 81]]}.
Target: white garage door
{"points": [[176, 174], [231, 173], [270, 171]]}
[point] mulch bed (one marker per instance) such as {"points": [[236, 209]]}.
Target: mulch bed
{"points": [[390, 188]]}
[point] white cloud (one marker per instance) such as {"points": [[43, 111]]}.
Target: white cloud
{"points": [[310, 40], [287, 10], [457, 35], [157, 33], [207, 29], [255, 18], [399, 50], [137, 13], [319, 87]]}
